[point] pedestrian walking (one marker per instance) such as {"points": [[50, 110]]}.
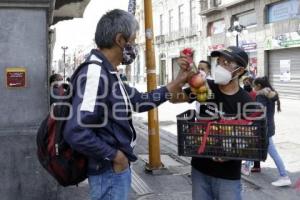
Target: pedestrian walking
{"points": [[266, 95], [101, 126], [248, 82]]}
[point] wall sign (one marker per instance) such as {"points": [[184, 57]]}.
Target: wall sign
{"points": [[15, 77], [248, 47], [285, 40], [285, 70]]}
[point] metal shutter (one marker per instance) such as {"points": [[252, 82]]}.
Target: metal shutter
{"points": [[290, 89]]}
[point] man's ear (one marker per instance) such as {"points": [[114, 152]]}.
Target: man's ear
{"points": [[119, 40]]}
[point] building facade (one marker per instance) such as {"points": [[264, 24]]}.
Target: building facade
{"points": [[272, 40], [177, 25]]}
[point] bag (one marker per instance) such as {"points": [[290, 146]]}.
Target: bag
{"points": [[67, 166]]}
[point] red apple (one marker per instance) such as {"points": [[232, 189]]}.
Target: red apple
{"points": [[187, 51], [197, 80]]}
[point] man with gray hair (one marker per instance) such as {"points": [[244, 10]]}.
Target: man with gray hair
{"points": [[101, 125]]}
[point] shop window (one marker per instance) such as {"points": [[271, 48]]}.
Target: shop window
{"points": [[193, 14], [216, 27], [283, 10], [247, 19], [171, 21], [180, 17]]}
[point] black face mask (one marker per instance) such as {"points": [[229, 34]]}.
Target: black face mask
{"points": [[248, 88], [129, 54]]}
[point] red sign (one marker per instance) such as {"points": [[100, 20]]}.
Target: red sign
{"points": [[16, 77]]}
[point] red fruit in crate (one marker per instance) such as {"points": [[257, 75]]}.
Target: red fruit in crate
{"points": [[197, 80]]}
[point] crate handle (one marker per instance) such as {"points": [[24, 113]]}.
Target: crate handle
{"points": [[203, 143], [222, 121]]}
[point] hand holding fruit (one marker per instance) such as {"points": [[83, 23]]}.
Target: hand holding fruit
{"points": [[185, 61], [198, 86], [188, 52]]}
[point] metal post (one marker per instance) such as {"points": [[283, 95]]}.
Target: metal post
{"points": [[237, 40], [153, 127], [64, 48]]}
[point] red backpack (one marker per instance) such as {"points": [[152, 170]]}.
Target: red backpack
{"points": [[67, 166]]}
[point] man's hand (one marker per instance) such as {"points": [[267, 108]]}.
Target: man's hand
{"points": [[181, 78], [183, 62], [120, 162]]}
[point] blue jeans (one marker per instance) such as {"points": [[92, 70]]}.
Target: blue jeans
{"points": [[110, 185], [211, 188], [275, 156]]}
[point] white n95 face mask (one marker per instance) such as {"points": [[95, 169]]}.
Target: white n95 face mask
{"points": [[223, 76]]}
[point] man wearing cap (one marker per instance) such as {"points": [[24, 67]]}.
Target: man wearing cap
{"points": [[213, 178]]}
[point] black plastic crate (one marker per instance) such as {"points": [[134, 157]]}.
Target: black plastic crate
{"points": [[227, 141]]}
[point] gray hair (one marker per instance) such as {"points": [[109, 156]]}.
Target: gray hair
{"points": [[114, 22]]}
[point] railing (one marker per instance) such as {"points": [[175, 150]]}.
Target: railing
{"points": [[182, 33]]}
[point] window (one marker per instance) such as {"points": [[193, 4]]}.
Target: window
{"points": [[180, 17], [171, 21], [216, 27], [284, 10], [246, 19], [161, 24], [193, 14]]}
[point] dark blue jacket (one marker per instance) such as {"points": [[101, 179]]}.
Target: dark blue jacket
{"points": [[270, 112], [102, 105]]}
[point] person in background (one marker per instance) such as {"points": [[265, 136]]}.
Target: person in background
{"points": [[54, 81], [248, 82], [206, 67], [266, 95]]}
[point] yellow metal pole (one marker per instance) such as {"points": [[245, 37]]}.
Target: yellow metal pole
{"points": [[153, 127]]}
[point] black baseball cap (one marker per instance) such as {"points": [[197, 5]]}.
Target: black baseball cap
{"points": [[233, 53]]}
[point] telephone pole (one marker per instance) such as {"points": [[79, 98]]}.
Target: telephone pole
{"points": [[153, 126]]}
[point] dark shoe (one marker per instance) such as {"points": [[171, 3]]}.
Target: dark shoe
{"points": [[254, 169]]}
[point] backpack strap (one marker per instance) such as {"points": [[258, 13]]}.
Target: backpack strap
{"points": [[84, 64]]}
